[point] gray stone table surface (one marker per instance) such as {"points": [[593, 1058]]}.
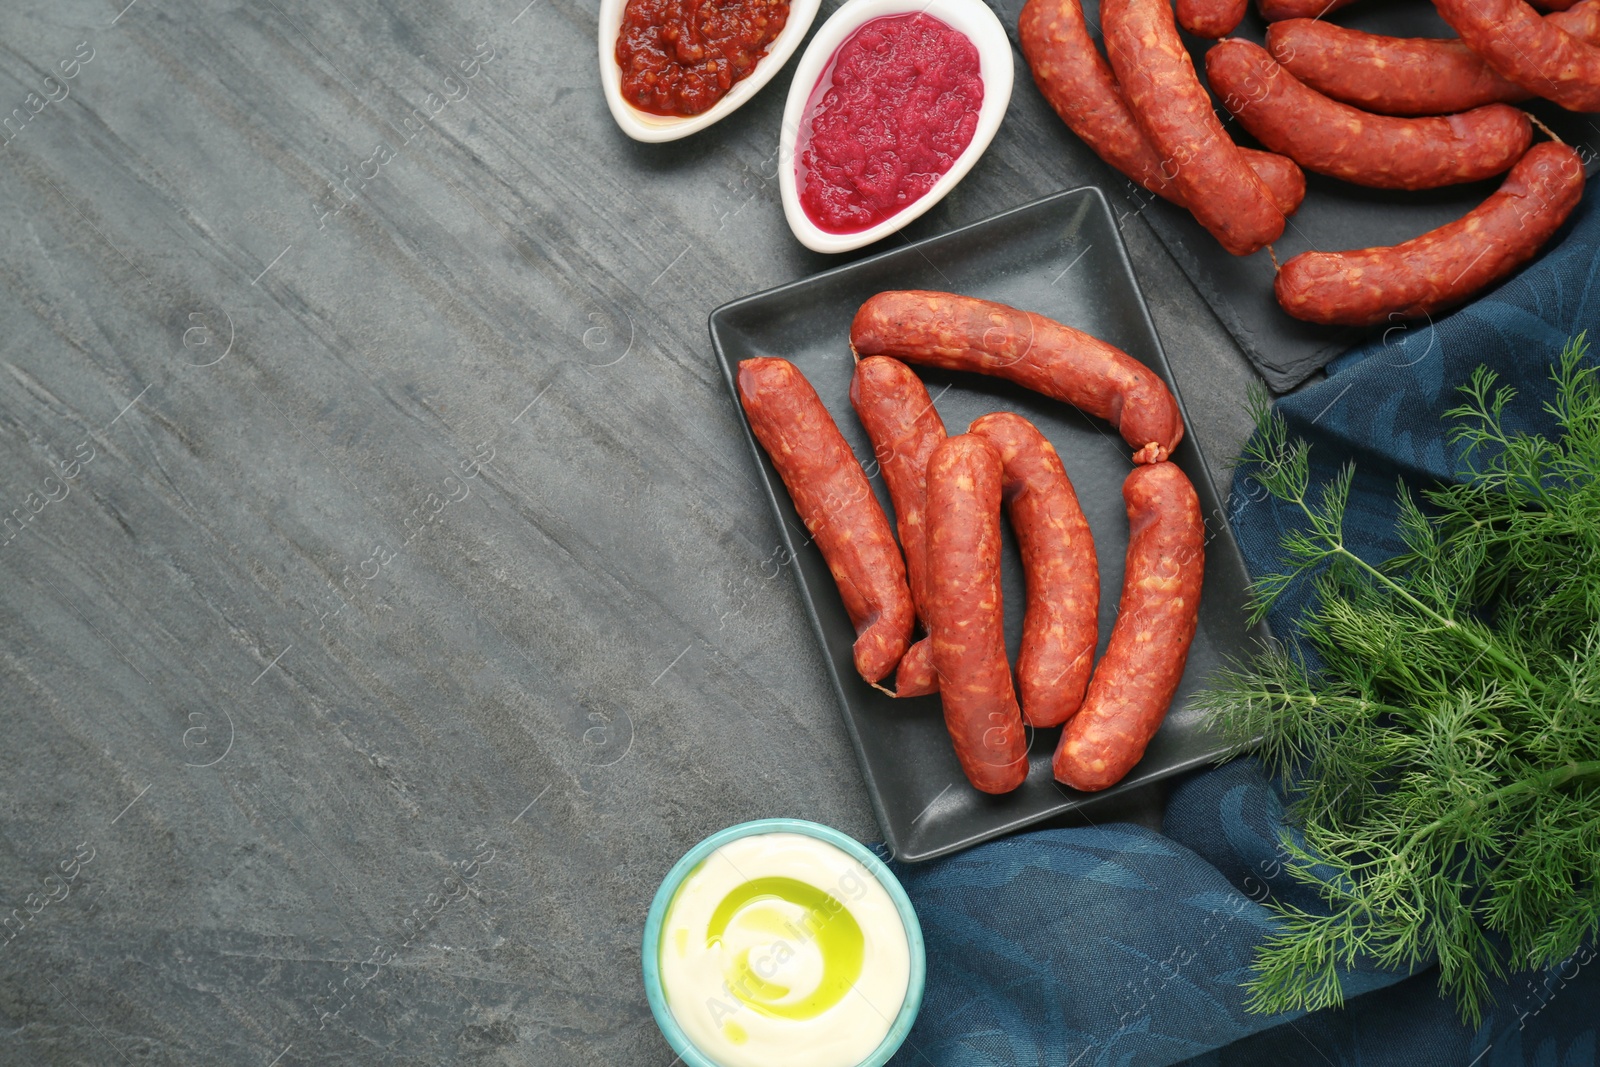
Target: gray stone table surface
{"points": [[383, 602]]}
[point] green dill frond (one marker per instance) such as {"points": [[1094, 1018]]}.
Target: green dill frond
{"points": [[1444, 755]]}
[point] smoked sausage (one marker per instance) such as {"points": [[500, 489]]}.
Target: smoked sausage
{"points": [[916, 675], [1314, 8], [967, 616], [1527, 49], [1211, 18], [965, 333], [1388, 75], [833, 499], [1174, 111], [1062, 620], [1135, 680], [898, 415], [1077, 82], [1274, 10], [1404, 75], [1443, 267], [1380, 151]]}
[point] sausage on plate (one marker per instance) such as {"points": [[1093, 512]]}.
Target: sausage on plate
{"points": [[967, 616], [831, 495], [1274, 10], [1388, 75], [1134, 682], [899, 417], [1062, 620], [1211, 18], [1380, 151], [1528, 49], [1076, 81], [965, 333], [1405, 75], [1172, 108], [1443, 267], [916, 675]]}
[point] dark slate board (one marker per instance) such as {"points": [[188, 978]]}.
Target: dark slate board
{"points": [[1335, 215], [378, 533]]}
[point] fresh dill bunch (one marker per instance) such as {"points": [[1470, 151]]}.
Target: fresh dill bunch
{"points": [[1442, 739]]}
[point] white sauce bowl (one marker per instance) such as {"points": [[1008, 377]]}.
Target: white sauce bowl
{"points": [[644, 126], [970, 17], [853, 854]]}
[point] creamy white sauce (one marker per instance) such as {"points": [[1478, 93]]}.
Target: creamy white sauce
{"points": [[758, 981]]}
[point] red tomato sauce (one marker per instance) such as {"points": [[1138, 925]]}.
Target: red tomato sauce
{"points": [[679, 57], [895, 108]]}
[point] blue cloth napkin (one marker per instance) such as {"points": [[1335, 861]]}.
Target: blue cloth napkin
{"points": [[1118, 945]]}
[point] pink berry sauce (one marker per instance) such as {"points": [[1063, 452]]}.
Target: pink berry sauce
{"points": [[892, 112]]}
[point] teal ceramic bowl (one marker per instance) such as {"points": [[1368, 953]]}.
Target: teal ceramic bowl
{"points": [[674, 1034]]}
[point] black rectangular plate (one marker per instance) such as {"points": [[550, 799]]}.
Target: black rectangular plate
{"points": [[1061, 257], [1335, 215]]}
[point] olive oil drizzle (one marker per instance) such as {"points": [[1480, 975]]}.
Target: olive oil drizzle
{"points": [[827, 922]]}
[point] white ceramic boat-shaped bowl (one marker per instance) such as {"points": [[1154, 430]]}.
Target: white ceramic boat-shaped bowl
{"points": [[643, 126], [971, 17]]}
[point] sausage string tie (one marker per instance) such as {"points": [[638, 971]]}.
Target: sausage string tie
{"points": [[1547, 130]]}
